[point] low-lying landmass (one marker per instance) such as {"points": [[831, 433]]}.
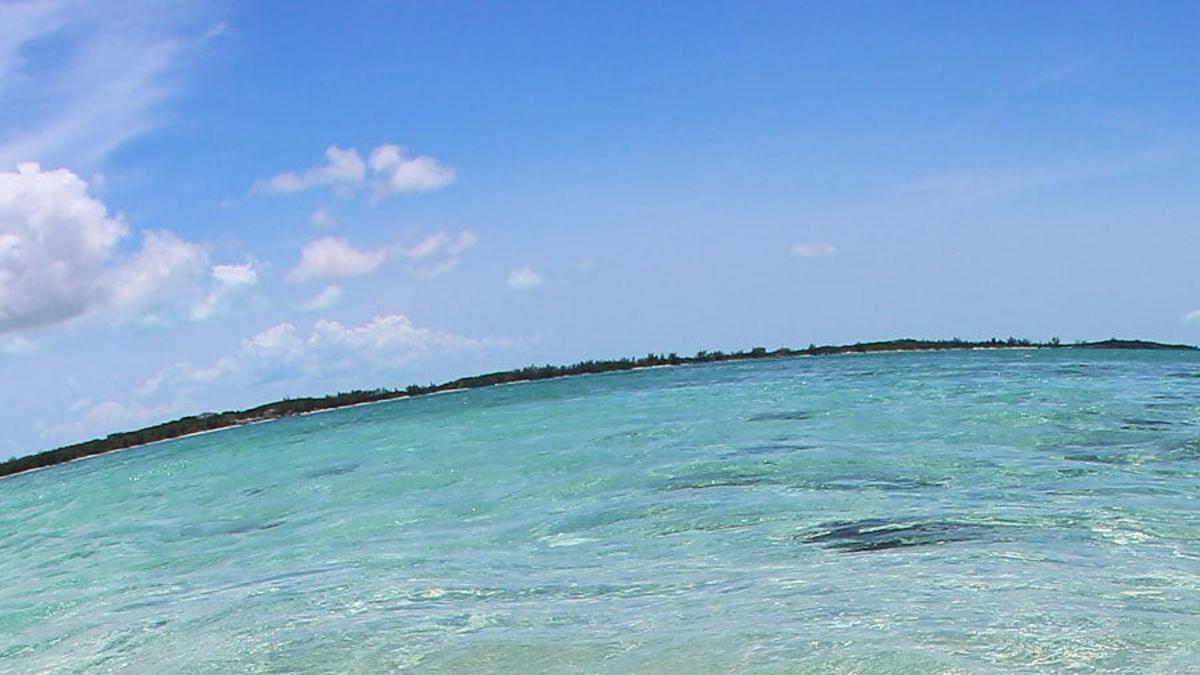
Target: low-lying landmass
{"points": [[194, 424]]}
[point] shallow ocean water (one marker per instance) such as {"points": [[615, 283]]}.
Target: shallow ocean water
{"points": [[987, 511]]}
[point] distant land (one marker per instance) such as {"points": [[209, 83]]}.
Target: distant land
{"points": [[194, 424]]}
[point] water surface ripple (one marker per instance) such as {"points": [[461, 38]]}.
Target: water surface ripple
{"points": [[1002, 511]]}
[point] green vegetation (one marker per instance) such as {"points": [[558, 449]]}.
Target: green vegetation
{"points": [[296, 406]]}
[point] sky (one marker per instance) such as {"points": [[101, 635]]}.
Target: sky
{"points": [[209, 205]]}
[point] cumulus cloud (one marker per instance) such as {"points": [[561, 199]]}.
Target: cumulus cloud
{"points": [[389, 170], [398, 172], [81, 79], [54, 242], [164, 269], [524, 278], [59, 257], [342, 167], [385, 344], [334, 258], [326, 298], [809, 250]]}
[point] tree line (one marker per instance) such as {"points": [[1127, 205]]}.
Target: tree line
{"points": [[193, 424]]}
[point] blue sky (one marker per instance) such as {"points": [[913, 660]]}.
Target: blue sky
{"points": [[206, 205]]}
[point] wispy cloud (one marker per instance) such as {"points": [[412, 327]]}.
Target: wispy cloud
{"points": [[524, 278], [429, 256], [965, 187], [1193, 315], [327, 297], [323, 218], [230, 283], [813, 250], [17, 345], [437, 253], [1052, 75], [971, 186], [78, 80]]}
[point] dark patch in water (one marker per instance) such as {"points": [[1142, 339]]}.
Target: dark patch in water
{"points": [[597, 520], [1170, 406], [1095, 458], [252, 527], [1186, 451], [1143, 423], [862, 373], [879, 534], [716, 479], [229, 528], [284, 576], [339, 470], [1075, 473], [250, 492], [1184, 375], [886, 484], [792, 416], [776, 449]]}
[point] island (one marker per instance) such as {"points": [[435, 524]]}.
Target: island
{"points": [[194, 424]]}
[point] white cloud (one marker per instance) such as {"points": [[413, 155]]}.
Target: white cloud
{"points": [[384, 344], [54, 242], [437, 268], [1193, 315], [84, 78], [323, 218], [392, 171], [59, 257], [398, 172], [326, 298], [235, 275], [808, 250], [524, 278], [96, 418], [343, 167], [440, 242], [438, 253], [334, 258], [165, 269], [17, 345], [229, 284]]}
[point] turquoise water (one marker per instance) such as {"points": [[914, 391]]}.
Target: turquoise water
{"points": [[936, 512]]}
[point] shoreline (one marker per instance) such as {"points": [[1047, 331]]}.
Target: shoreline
{"points": [[237, 425], [311, 405], [139, 445]]}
